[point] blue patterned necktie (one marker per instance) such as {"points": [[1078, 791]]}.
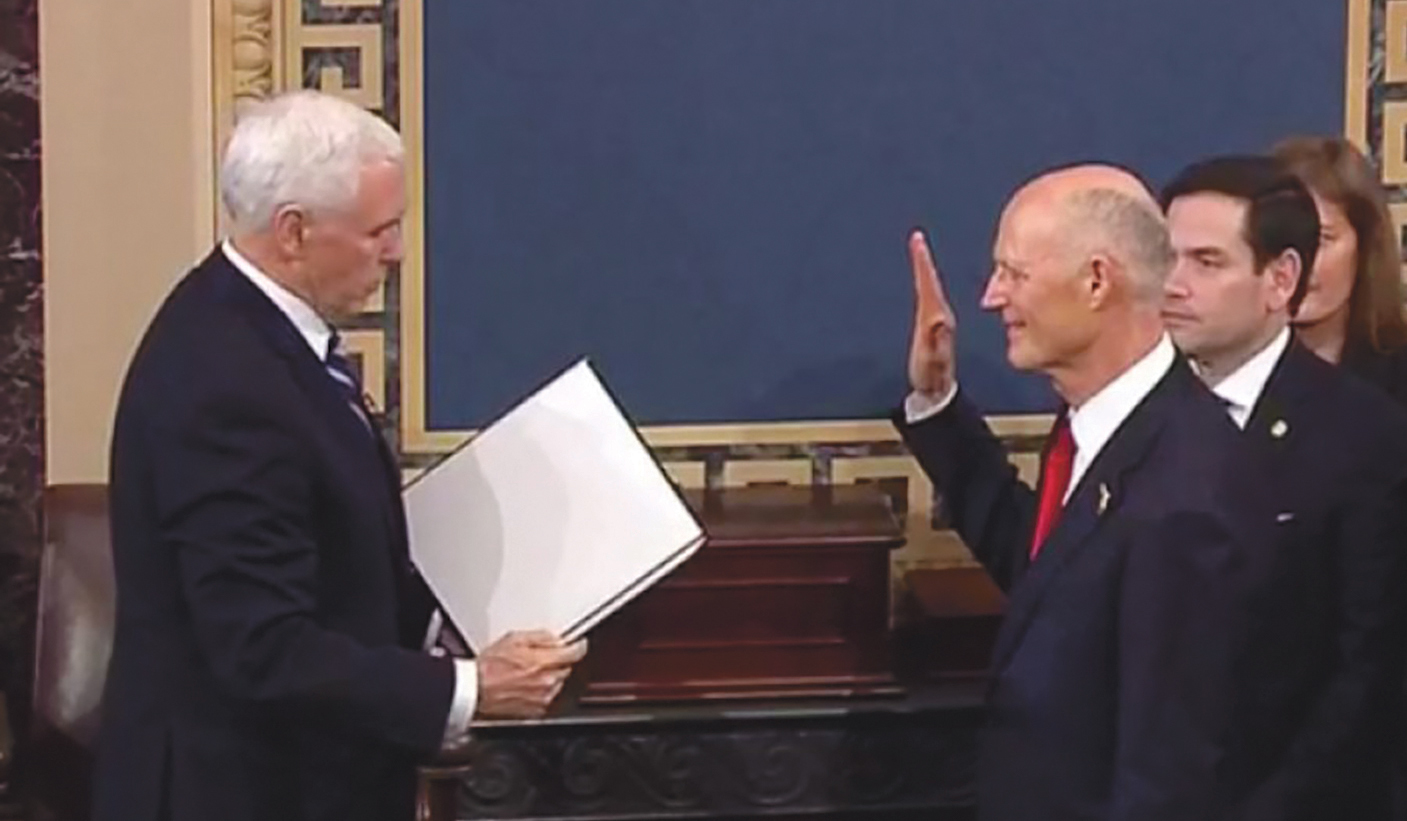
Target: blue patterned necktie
{"points": [[340, 369]]}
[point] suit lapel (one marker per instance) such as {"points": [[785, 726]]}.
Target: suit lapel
{"points": [[328, 401], [1290, 386], [393, 480], [1093, 499]]}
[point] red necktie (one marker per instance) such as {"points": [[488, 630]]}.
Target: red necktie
{"points": [[1055, 479]]}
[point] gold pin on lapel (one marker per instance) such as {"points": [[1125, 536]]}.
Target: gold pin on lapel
{"points": [[1103, 498], [1279, 429]]}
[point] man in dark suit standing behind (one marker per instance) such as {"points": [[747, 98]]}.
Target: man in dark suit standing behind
{"points": [[269, 662], [1127, 569], [1325, 662]]}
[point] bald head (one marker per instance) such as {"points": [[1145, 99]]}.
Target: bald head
{"points": [[1100, 209], [1055, 186], [1077, 276]]}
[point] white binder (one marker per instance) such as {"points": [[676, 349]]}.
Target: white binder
{"points": [[551, 518]]}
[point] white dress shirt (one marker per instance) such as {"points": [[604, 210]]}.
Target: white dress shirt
{"points": [[1241, 389], [1093, 423], [317, 332], [310, 326]]}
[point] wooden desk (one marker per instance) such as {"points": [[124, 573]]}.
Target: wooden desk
{"points": [[789, 596], [757, 680], [909, 757]]}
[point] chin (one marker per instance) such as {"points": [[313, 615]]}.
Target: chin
{"points": [[1183, 342], [356, 305], [1022, 360]]}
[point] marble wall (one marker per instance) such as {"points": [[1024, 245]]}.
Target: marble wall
{"points": [[21, 335]]}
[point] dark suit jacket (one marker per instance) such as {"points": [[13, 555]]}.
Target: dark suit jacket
{"points": [[1326, 660], [1385, 369], [1112, 693], [264, 665]]}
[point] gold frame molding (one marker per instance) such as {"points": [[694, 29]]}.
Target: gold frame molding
{"points": [[1356, 71], [258, 48]]}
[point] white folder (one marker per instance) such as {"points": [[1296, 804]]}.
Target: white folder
{"points": [[551, 518]]}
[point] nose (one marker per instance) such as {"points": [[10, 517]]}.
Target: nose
{"points": [[993, 295], [393, 248], [1175, 286]]}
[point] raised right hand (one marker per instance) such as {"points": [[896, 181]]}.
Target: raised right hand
{"points": [[522, 672], [932, 356]]}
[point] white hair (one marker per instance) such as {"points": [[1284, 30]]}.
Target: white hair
{"points": [[302, 148], [1129, 229]]}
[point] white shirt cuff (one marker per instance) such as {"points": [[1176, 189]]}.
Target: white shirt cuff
{"points": [[921, 406], [432, 632], [466, 698]]}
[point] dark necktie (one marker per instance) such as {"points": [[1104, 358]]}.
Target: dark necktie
{"points": [[1055, 480], [340, 369]]}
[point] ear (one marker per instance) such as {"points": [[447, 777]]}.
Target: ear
{"points": [[1100, 282], [1282, 276], [290, 226]]}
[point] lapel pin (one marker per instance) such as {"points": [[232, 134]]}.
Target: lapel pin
{"points": [[1279, 429], [1103, 497]]}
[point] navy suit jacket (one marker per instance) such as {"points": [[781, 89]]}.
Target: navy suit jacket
{"points": [[265, 664], [1326, 660], [1113, 692], [1387, 370]]}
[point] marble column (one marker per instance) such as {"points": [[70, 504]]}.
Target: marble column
{"points": [[21, 341]]}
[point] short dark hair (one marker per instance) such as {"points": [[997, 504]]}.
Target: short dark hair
{"points": [[1280, 212]]}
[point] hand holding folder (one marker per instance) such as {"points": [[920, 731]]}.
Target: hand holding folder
{"points": [[521, 674], [549, 520]]}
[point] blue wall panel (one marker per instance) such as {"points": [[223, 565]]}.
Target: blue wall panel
{"points": [[711, 197]]}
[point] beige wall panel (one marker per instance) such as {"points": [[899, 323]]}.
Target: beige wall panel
{"points": [[128, 198]]}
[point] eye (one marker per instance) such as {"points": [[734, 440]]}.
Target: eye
{"points": [[385, 229]]}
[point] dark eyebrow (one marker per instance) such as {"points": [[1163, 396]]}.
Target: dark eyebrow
{"points": [[1206, 251]]}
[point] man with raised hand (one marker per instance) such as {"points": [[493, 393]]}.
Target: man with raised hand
{"points": [[1112, 690]]}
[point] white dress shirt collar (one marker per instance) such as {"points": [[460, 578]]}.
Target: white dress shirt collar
{"points": [[1241, 389], [1094, 423], [310, 326]]}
